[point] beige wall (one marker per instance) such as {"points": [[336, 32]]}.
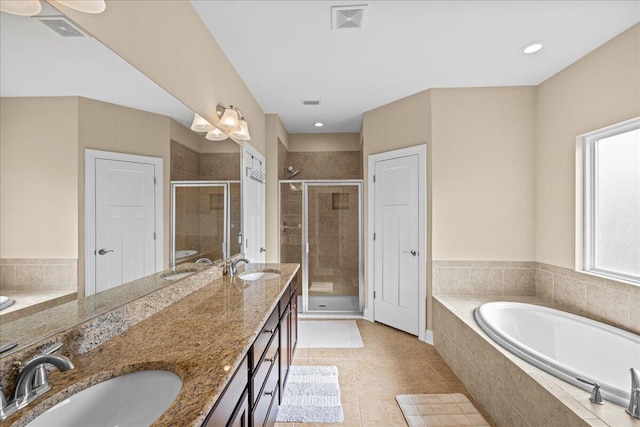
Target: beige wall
{"points": [[600, 89], [480, 168], [313, 142], [109, 127], [39, 177], [184, 136], [412, 116], [277, 136], [172, 56], [483, 173]]}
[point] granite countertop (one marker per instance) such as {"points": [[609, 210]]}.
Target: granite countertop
{"points": [[202, 338]]}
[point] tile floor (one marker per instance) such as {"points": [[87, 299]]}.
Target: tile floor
{"points": [[390, 363]]}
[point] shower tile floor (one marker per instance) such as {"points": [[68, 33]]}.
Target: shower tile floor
{"points": [[390, 363], [334, 303]]}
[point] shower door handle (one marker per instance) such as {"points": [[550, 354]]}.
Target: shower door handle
{"points": [[411, 252], [306, 247]]}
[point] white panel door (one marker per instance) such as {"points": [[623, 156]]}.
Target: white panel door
{"points": [[253, 204], [396, 245], [125, 222]]}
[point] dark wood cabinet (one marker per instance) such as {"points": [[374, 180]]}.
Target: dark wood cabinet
{"points": [[285, 347], [225, 411], [252, 396], [241, 416]]}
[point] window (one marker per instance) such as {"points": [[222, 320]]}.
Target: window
{"points": [[612, 202]]}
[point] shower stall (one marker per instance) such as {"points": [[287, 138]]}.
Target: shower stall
{"points": [[321, 229], [205, 220]]}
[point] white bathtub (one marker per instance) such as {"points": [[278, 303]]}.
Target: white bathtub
{"points": [[565, 345]]}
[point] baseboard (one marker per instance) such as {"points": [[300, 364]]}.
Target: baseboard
{"points": [[428, 337]]}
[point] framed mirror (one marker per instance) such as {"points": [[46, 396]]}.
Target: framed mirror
{"points": [[62, 93]]}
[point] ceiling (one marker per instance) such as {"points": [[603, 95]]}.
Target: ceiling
{"points": [[286, 51], [36, 61]]}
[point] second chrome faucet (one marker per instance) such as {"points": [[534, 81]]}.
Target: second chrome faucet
{"points": [[32, 380]]}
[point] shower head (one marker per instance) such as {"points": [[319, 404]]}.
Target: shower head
{"points": [[292, 172]]}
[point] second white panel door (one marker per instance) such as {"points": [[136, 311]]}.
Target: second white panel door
{"points": [[396, 245], [125, 222]]}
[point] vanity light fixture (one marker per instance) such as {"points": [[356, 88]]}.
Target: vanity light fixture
{"points": [[318, 124], [231, 124], [200, 124], [532, 48], [216, 135], [86, 6], [33, 7]]}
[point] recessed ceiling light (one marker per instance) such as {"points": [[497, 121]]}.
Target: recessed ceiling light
{"points": [[318, 124], [532, 48]]}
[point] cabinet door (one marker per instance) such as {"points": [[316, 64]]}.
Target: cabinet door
{"points": [[241, 417], [227, 403], [285, 347], [293, 332]]}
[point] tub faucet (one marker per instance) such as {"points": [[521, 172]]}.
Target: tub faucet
{"points": [[233, 265], [596, 396], [634, 401], [32, 381]]}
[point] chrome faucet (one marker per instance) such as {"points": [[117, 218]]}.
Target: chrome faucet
{"points": [[634, 401], [204, 261], [596, 396], [32, 381], [233, 265]]}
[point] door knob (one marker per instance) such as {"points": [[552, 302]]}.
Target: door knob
{"points": [[104, 251], [412, 252], [263, 250]]}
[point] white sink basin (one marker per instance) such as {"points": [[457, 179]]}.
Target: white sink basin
{"points": [[183, 253], [259, 275], [135, 399]]}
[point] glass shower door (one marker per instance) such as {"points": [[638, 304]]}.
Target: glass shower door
{"points": [[333, 245]]}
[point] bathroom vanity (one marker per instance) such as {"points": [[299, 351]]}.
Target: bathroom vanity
{"points": [[252, 396], [231, 342]]}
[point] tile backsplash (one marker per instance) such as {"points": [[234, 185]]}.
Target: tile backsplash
{"points": [[496, 278], [38, 274], [594, 297], [612, 302]]}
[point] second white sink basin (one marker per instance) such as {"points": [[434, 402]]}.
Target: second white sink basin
{"points": [[259, 275], [135, 399]]}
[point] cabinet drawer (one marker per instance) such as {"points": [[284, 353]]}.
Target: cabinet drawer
{"points": [[284, 300], [268, 397], [224, 408], [264, 366], [273, 412], [269, 330]]}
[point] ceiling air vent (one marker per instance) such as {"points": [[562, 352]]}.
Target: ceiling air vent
{"points": [[61, 26], [348, 16], [310, 101]]}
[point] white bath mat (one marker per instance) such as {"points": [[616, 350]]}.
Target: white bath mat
{"points": [[312, 395], [329, 334], [430, 410], [321, 287]]}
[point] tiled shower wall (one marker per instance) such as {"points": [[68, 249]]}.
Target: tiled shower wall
{"points": [[326, 165], [606, 300], [41, 274], [189, 165]]}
